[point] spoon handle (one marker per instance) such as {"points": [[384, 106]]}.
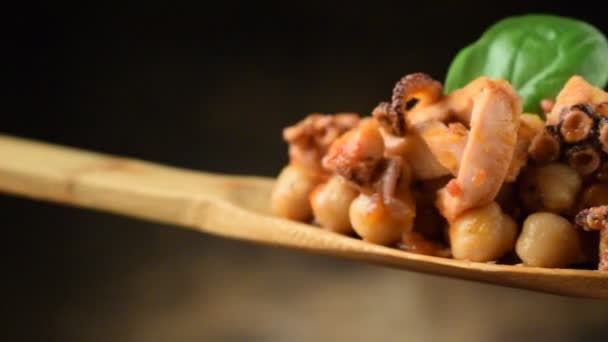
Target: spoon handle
{"points": [[120, 185]]}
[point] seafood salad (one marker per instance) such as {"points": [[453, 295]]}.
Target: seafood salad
{"points": [[490, 166]]}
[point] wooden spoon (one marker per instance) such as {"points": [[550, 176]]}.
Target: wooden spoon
{"points": [[235, 207]]}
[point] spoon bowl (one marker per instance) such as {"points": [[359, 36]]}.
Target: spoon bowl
{"points": [[234, 207]]}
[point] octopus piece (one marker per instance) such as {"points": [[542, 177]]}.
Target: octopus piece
{"points": [[576, 130], [494, 122], [418, 87], [394, 145], [415, 90], [574, 92], [596, 218], [357, 154], [545, 146], [583, 158], [448, 143], [576, 125], [310, 138], [416, 152], [395, 173]]}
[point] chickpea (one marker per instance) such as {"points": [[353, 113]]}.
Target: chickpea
{"points": [[482, 234], [330, 204], [289, 197], [381, 222], [553, 187], [548, 240]]}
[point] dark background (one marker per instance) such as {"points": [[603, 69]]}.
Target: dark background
{"points": [[209, 87]]}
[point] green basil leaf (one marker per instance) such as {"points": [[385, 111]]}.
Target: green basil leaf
{"points": [[536, 53]]}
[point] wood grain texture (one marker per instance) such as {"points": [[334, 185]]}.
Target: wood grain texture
{"points": [[234, 207]]}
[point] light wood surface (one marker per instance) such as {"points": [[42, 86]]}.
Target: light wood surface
{"points": [[234, 207]]}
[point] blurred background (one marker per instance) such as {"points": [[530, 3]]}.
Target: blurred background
{"points": [[209, 87]]}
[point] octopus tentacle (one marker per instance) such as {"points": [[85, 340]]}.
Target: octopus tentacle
{"points": [[596, 218], [418, 86]]}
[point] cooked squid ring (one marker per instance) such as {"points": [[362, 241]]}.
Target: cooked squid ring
{"points": [[478, 148], [444, 126]]}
